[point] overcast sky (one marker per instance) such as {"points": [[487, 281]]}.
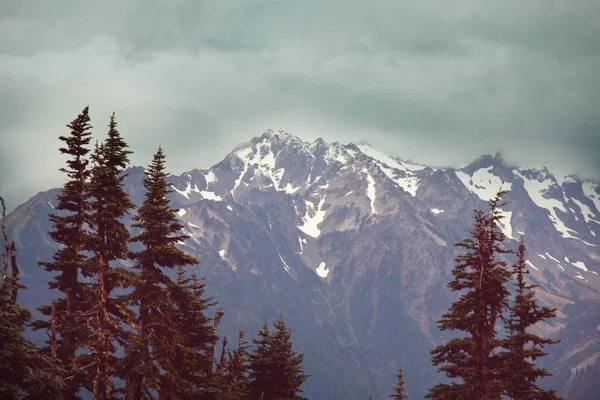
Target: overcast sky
{"points": [[434, 81]]}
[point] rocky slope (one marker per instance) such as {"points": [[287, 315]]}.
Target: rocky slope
{"points": [[355, 248]]}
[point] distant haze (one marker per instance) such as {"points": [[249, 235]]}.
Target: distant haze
{"points": [[430, 81]]}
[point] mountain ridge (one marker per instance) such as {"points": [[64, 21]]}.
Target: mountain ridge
{"points": [[356, 247]]}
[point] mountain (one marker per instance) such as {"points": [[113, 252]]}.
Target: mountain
{"points": [[355, 248]]}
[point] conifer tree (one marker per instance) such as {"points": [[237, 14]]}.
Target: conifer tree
{"points": [[235, 378], [150, 359], [25, 373], [523, 347], [275, 370], [69, 231], [196, 335], [108, 242], [399, 388], [472, 361]]}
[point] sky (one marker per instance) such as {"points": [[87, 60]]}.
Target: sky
{"points": [[436, 82]]}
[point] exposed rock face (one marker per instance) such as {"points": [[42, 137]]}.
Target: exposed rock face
{"points": [[355, 248]]}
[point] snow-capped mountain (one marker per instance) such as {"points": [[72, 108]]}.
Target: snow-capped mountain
{"points": [[322, 181], [355, 247]]}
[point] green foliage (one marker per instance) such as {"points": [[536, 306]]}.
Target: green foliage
{"points": [[108, 243], [235, 368], [275, 370], [25, 373], [399, 388], [196, 337], [472, 361], [170, 317], [68, 231], [482, 365], [523, 348]]}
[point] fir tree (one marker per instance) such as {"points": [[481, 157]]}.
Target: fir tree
{"points": [[25, 373], [399, 388], [275, 370], [235, 378], [523, 347], [108, 243], [150, 357], [69, 231], [472, 361], [196, 336]]}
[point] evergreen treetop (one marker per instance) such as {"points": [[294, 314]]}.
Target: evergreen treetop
{"points": [[523, 347], [109, 204], [157, 322], [68, 230], [275, 369], [399, 388], [481, 277]]}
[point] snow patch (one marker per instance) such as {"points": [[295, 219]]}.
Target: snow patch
{"points": [[399, 172], [371, 190], [192, 225], [287, 268], [242, 155], [389, 161], [536, 191], [222, 254], [210, 195], [312, 219], [436, 211], [188, 189], [580, 265], [50, 204], [591, 191], [337, 153], [505, 223], [322, 270], [229, 208], [289, 189], [409, 183], [483, 183], [585, 211], [580, 277], [542, 256], [531, 265], [181, 212], [210, 177]]}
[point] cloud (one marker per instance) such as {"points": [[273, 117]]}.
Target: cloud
{"points": [[421, 80]]}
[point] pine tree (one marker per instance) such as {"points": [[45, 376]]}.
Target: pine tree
{"points": [[235, 378], [69, 231], [399, 388], [275, 370], [522, 347], [196, 336], [150, 358], [472, 361], [108, 242], [25, 373]]}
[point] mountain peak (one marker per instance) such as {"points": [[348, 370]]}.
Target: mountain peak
{"points": [[498, 157]]}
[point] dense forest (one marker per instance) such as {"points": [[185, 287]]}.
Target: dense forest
{"points": [[121, 327]]}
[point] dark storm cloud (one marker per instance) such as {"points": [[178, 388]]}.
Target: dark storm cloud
{"points": [[436, 82]]}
